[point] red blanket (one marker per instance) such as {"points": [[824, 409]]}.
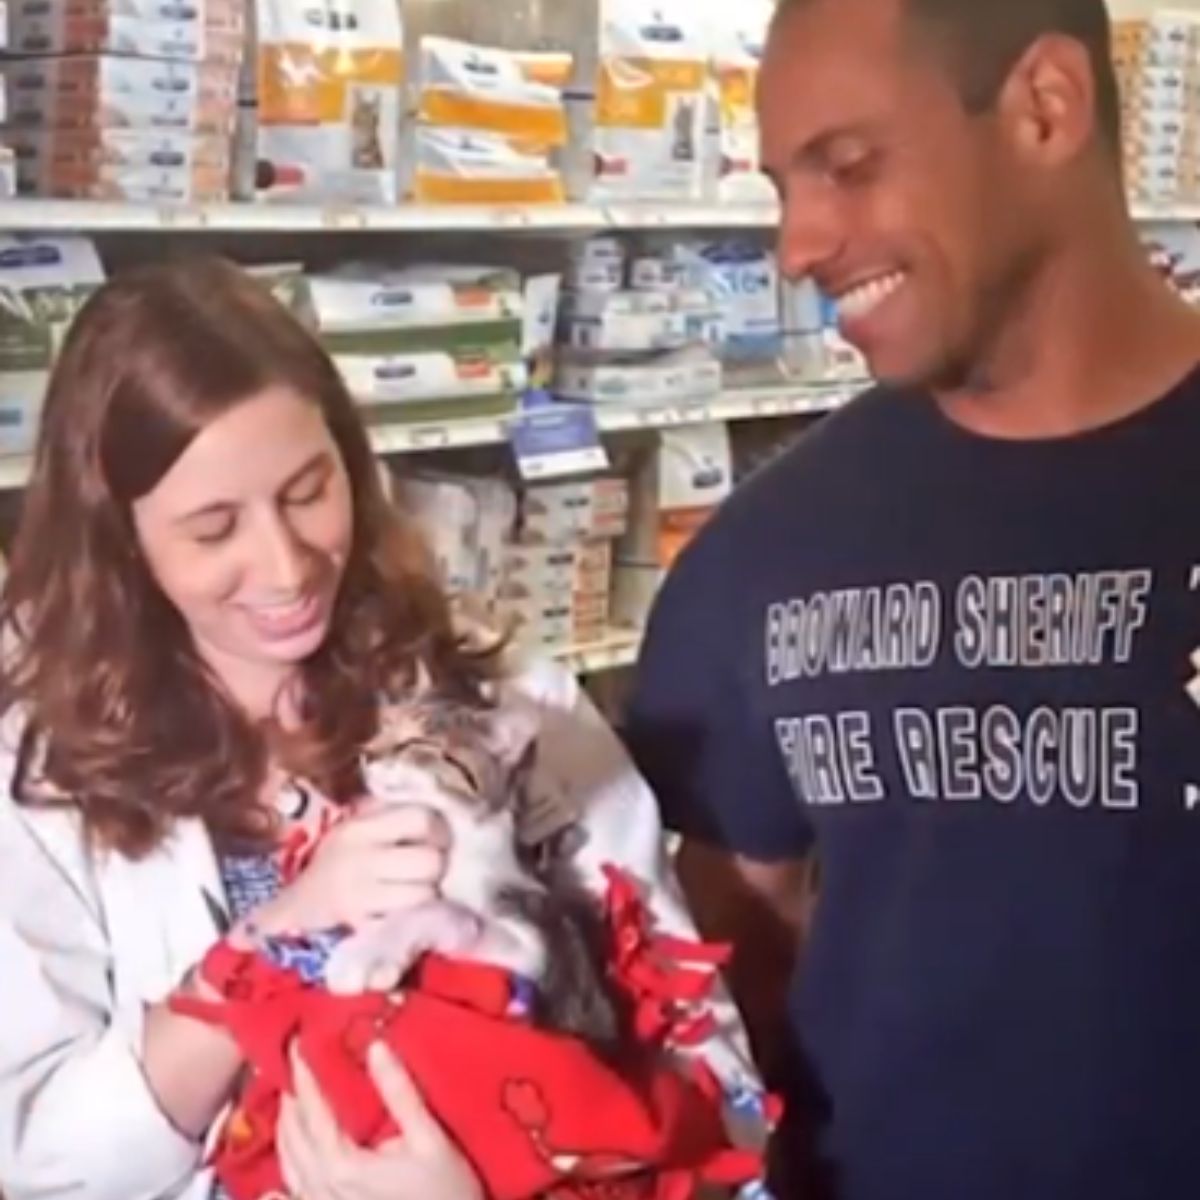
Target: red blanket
{"points": [[536, 1113]]}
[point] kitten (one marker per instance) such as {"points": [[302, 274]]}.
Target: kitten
{"points": [[493, 908]]}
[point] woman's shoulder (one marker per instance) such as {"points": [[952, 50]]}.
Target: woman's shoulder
{"points": [[537, 680], [521, 676]]}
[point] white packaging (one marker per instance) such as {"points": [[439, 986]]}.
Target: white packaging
{"points": [[631, 333], [646, 127], [655, 273], [598, 276], [208, 32], [739, 32], [541, 301], [465, 86], [685, 376], [675, 493], [602, 306], [44, 281], [401, 378], [554, 572], [107, 91], [367, 297], [465, 522], [464, 166], [330, 82], [742, 283], [557, 513]]}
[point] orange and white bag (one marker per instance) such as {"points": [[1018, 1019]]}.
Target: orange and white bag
{"points": [[739, 32], [330, 81], [648, 122], [489, 124]]}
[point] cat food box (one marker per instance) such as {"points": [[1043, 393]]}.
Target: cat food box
{"points": [[208, 31], [109, 92], [122, 164]]}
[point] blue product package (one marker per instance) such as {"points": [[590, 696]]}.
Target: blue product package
{"points": [[744, 283]]}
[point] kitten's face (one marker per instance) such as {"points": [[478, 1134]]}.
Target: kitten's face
{"points": [[474, 754]]}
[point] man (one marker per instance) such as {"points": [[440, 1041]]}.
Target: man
{"points": [[945, 641]]}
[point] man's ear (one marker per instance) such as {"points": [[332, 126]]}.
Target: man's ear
{"points": [[1047, 104]]}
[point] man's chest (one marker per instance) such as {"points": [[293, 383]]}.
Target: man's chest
{"points": [[998, 676]]}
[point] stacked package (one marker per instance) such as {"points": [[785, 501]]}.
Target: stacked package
{"points": [[124, 99], [557, 580], [424, 343], [467, 522], [323, 104], [814, 347], [536, 562], [677, 488], [488, 125], [634, 331], [43, 284], [741, 282], [1158, 65], [646, 131], [739, 33]]}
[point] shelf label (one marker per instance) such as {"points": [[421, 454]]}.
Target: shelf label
{"points": [[181, 216], [343, 217], [557, 439], [429, 437]]}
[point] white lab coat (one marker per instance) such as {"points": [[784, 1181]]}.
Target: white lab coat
{"points": [[87, 942]]}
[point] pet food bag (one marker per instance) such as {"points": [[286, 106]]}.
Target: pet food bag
{"points": [[738, 32], [645, 131], [426, 342], [488, 124], [329, 78]]}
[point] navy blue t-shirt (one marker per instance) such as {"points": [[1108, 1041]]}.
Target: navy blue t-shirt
{"points": [[961, 666]]}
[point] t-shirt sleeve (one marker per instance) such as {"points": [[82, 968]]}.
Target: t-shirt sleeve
{"points": [[713, 765]]}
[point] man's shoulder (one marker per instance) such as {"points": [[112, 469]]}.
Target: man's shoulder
{"points": [[826, 465]]}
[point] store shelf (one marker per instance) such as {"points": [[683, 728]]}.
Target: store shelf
{"points": [[85, 216], [797, 400], [750, 404], [614, 653], [1175, 214], [102, 217]]}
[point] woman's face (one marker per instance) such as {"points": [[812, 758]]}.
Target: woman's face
{"points": [[248, 535]]}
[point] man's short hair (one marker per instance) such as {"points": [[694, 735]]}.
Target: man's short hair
{"points": [[984, 39]]}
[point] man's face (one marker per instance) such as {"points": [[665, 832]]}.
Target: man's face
{"points": [[903, 207]]}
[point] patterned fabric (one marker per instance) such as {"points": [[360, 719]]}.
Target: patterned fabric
{"points": [[250, 881]]}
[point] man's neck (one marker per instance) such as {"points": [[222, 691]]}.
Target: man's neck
{"points": [[1098, 337]]}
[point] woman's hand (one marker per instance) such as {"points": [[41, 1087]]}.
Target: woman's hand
{"points": [[320, 1163], [381, 859]]}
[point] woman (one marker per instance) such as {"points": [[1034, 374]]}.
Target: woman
{"points": [[208, 596]]}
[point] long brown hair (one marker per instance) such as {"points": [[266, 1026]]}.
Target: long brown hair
{"points": [[118, 713]]}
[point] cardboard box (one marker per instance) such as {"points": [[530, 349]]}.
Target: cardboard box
{"points": [[110, 92], [557, 513]]}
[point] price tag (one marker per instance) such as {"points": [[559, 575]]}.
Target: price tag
{"points": [[557, 439], [343, 218], [429, 437], [181, 216]]}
